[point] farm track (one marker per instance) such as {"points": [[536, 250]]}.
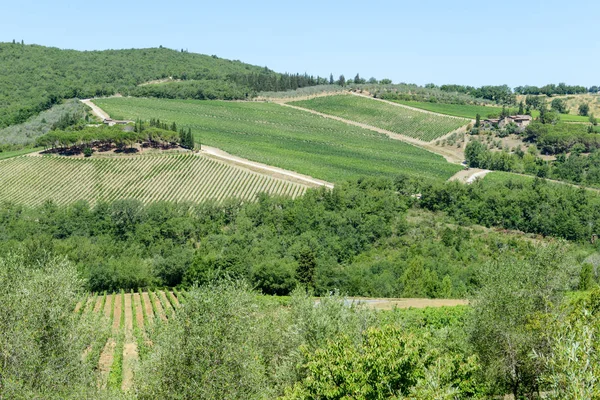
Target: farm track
{"points": [[130, 350], [450, 156]]}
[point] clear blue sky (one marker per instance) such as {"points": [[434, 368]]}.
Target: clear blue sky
{"points": [[463, 41]]}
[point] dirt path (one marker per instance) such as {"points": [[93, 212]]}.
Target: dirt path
{"points": [[264, 168], [97, 111], [130, 352], [98, 304], [105, 362], [117, 313], [139, 314], [389, 304], [470, 175], [450, 155], [148, 307]]}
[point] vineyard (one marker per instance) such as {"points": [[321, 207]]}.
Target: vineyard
{"points": [[412, 123], [184, 177], [290, 139], [129, 315]]}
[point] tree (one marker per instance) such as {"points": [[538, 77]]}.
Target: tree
{"points": [[385, 81], [474, 152], [331, 81], [307, 265], [584, 109], [560, 106], [521, 108], [41, 339], [586, 278], [342, 80], [477, 120], [510, 314], [593, 120]]}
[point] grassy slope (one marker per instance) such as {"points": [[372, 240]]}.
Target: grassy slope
{"points": [[470, 111], [35, 76], [407, 122], [288, 138], [9, 154]]}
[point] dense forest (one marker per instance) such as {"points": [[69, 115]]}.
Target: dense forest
{"points": [[36, 77]]}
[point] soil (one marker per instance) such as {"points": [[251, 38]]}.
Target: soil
{"points": [[130, 351], [108, 305], [139, 315], [470, 175], [163, 295], [389, 304], [98, 303], [148, 306], [117, 312], [105, 362]]}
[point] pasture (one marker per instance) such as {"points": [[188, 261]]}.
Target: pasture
{"points": [[288, 138], [32, 180], [412, 123]]}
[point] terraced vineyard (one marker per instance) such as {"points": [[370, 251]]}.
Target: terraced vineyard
{"points": [[291, 139], [129, 315], [186, 177], [402, 120]]}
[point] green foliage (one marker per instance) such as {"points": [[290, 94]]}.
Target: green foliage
{"points": [[38, 77], [291, 139], [510, 315], [586, 277], [41, 338], [560, 106], [386, 363], [397, 119], [584, 109]]}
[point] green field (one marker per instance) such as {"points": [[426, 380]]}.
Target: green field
{"points": [[471, 111], [382, 115], [33, 180], [288, 138], [9, 154]]}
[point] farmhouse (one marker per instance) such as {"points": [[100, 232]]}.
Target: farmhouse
{"points": [[520, 120], [111, 122]]}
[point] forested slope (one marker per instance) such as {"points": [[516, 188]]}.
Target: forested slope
{"points": [[36, 77]]}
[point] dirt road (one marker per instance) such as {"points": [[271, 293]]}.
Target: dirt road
{"points": [[391, 303], [264, 168], [97, 111], [470, 175]]}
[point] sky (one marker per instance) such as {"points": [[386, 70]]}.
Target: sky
{"points": [[527, 42]]}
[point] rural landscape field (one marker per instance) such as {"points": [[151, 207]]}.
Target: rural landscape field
{"points": [[178, 223]]}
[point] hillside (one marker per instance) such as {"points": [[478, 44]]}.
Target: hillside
{"points": [[36, 77], [32, 180], [413, 123], [288, 138]]}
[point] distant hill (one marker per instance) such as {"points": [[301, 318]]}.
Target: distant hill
{"points": [[36, 77]]}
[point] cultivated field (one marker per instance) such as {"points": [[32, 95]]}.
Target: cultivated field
{"points": [[186, 177], [471, 111], [412, 123], [287, 138], [129, 315]]}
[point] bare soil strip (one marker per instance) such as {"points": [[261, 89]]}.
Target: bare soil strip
{"points": [[88, 304], [139, 314], [98, 303], [470, 175], [148, 307], [108, 305], [96, 110], [389, 304], [130, 352], [106, 361], [117, 313], [449, 155]]}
